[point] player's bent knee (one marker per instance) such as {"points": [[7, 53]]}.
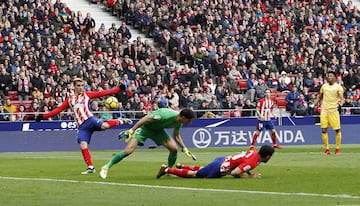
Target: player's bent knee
{"points": [[105, 126]]}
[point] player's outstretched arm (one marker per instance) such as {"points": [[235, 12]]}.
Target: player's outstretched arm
{"points": [[239, 174], [103, 93], [54, 112], [180, 142]]}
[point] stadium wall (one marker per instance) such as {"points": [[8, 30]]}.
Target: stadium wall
{"points": [[202, 133]]}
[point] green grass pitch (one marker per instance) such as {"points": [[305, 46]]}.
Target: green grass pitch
{"points": [[296, 175]]}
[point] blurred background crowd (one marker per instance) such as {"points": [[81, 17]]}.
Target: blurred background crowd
{"points": [[216, 57]]}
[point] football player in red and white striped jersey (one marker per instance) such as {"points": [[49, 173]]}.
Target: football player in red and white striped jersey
{"points": [[264, 111], [87, 123], [237, 165]]}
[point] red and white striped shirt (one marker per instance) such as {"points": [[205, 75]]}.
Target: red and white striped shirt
{"points": [[80, 104], [245, 161], [265, 107]]}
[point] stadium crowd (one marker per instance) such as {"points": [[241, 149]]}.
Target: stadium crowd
{"points": [[208, 55]]}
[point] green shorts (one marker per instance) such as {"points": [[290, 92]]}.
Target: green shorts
{"points": [[158, 136]]}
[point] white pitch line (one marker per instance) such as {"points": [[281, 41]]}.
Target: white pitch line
{"points": [[343, 196]]}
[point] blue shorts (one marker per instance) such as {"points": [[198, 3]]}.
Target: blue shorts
{"points": [[87, 128], [265, 125], [212, 170]]}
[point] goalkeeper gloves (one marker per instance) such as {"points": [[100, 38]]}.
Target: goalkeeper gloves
{"points": [[188, 153], [130, 133], [126, 135]]}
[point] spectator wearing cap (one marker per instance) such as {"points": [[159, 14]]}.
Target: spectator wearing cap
{"points": [[285, 77]]}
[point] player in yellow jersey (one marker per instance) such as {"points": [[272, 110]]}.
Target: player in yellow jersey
{"points": [[331, 96]]}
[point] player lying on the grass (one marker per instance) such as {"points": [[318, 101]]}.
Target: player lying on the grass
{"points": [[87, 123], [236, 165], [153, 126]]}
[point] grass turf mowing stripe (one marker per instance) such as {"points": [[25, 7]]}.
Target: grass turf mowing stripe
{"points": [[343, 196]]}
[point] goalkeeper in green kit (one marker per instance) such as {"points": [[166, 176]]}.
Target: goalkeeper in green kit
{"points": [[153, 126]]}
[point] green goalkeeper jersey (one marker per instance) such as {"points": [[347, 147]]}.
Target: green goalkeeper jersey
{"points": [[163, 118]]}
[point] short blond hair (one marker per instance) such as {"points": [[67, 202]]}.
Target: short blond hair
{"points": [[77, 79]]}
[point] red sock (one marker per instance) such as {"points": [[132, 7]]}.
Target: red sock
{"points": [[254, 139], [113, 122], [191, 167], [178, 172], [273, 137], [87, 157]]}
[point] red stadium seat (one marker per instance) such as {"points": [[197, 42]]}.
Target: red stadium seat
{"points": [[243, 85], [16, 103], [281, 94], [281, 103], [273, 90], [13, 95], [226, 114]]}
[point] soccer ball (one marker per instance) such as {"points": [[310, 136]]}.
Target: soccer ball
{"points": [[111, 103]]}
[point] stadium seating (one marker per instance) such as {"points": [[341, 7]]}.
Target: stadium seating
{"points": [[13, 95], [281, 103], [243, 85]]}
